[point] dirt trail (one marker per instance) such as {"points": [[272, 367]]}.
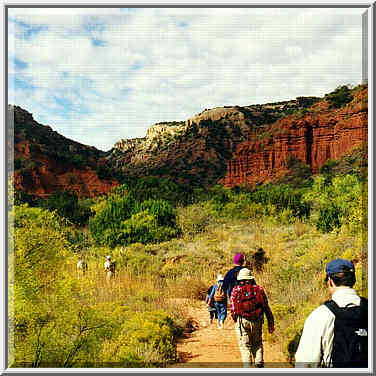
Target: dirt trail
{"points": [[210, 347]]}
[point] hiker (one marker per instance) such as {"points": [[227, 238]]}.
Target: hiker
{"points": [[258, 260], [335, 333], [109, 267], [230, 278], [248, 303], [218, 296], [82, 266], [211, 308]]}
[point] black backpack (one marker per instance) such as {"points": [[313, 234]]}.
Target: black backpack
{"points": [[350, 344]]}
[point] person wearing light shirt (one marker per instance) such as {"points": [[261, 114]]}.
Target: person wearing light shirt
{"points": [[316, 343]]}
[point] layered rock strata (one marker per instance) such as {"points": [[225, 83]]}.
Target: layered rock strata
{"points": [[320, 134]]}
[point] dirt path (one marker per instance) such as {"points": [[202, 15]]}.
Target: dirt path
{"points": [[210, 347]]}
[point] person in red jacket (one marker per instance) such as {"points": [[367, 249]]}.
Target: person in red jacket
{"points": [[248, 304]]}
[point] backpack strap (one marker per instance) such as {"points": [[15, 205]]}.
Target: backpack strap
{"points": [[364, 303], [333, 307], [336, 310], [364, 310]]}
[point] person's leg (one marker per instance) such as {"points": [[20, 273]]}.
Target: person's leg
{"points": [[223, 314], [243, 336], [256, 343], [218, 312]]}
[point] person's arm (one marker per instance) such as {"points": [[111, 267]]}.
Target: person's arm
{"points": [[212, 293], [226, 281], [310, 350], [268, 313]]}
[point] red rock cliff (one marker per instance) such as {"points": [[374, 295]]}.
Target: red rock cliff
{"points": [[46, 162], [319, 135]]}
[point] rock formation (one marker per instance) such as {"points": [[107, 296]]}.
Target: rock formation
{"points": [[46, 162], [231, 145], [313, 138]]}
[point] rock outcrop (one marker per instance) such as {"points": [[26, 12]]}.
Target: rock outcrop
{"points": [[313, 137], [46, 162], [195, 151]]}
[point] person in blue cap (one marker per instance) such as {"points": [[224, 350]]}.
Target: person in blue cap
{"points": [[335, 333]]}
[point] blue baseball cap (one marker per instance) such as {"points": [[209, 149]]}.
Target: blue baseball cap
{"points": [[336, 266]]}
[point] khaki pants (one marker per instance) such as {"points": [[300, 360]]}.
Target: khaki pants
{"points": [[249, 334]]}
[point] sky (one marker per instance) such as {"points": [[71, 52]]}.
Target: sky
{"points": [[98, 75]]}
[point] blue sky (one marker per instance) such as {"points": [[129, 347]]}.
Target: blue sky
{"points": [[97, 75]]}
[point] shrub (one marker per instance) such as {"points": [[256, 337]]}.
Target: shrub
{"points": [[67, 205], [194, 219], [108, 220], [336, 201], [164, 213], [328, 166], [124, 221], [146, 339], [152, 188], [141, 227], [339, 97], [329, 218]]}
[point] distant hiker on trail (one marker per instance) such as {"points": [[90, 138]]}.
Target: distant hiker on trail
{"points": [[336, 333], [210, 304], [230, 278], [109, 267], [82, 266], [258, 260], [218, 296], [248, 303]]}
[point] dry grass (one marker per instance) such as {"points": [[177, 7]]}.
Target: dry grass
{"points": [[292, 277]]}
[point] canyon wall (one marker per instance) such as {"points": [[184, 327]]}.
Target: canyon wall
{"points": [[318, 135]]}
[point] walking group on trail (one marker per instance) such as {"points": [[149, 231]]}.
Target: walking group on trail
{"points": [[334, 335]]}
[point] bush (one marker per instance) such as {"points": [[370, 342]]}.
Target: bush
{"points": [[337, 201], [283, 196], [124, 221], [194, 219], [164, 213], [146, 339], [339, 97], [143, 228], [67, 205], [115, 211], [329, 218], [152, 188]]}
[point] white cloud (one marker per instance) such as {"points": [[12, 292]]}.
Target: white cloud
{"points": [[118, 72]]}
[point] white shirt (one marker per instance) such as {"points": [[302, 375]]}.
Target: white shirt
{"points": [[316, 342], [107, 265]]}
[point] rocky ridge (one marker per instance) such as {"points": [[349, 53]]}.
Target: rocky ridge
{"points": [[196, 151], [46, 162]]}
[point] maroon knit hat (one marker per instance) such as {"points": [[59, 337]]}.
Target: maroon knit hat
{"points": [[238, 259]]}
